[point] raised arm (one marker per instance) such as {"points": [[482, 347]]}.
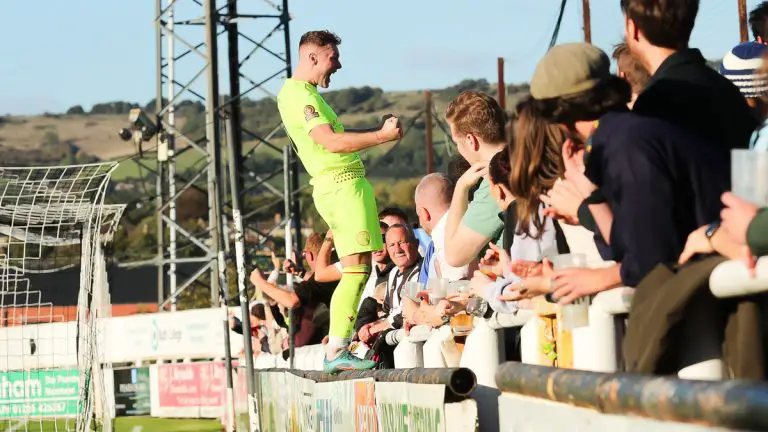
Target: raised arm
{"points": [[283, 297], [349, 142], [462, 243]]}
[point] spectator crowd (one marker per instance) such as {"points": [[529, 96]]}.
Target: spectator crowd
{"points": [[628, 175]]}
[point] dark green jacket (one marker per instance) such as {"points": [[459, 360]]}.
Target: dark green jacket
{"points": [[757, 233]]}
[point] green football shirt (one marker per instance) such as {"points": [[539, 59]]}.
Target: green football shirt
{"points": [[302, 108]]}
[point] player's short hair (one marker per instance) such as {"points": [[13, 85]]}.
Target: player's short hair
{"points": [[477, 113], [634, 71], [313, 243], [320, 38], [393, 211]]}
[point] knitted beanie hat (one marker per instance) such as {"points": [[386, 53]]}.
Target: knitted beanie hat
{"points": [[743, 65]]}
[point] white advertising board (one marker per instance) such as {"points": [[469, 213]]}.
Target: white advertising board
{"points": [[167, 335]]}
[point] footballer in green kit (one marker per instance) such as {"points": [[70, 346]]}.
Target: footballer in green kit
{"points": [[342, 195]]}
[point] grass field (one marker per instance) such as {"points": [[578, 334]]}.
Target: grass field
{"points": [[122, 424]]}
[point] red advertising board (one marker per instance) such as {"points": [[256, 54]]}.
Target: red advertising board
{"points": [[200, 384]]}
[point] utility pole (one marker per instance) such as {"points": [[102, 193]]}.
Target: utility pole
{"points": [[587, 22], [743, 20], [501, 89], [428, 127]]}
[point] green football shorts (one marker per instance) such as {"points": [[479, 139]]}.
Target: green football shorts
{"points": [[348, 206]]}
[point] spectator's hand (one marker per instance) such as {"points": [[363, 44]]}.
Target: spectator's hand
{"points": [[448, 308], [573, 160], [697, 243], [736, 217], [458, 297], [256, 276], [365, 333], [407, 325], [564, 200], [573, 283], [470, 178], [289, 266], [531, 287], [275, 260], [391, 130], [526, 269], [750, 261], [479, 282], [496, 258]]}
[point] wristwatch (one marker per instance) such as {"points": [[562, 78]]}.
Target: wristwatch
{"points": [[711, 230]]}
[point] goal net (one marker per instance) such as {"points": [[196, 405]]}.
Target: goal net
{"points": [[53, 219]]}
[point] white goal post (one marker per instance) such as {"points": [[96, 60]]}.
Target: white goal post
{"points": [[53, 218]]}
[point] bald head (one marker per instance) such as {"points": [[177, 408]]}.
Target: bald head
{"points": [[433, 197]]}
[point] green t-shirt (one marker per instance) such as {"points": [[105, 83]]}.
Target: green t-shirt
{"points": [[301, 109], [482, 215]]}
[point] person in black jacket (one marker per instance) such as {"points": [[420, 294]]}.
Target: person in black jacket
{"points": [[660, 181], [683, 89]]}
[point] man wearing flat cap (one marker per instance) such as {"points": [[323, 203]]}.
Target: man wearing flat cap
{"points": [[659, 181]]}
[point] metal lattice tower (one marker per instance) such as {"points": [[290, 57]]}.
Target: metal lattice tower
{"points": [[188, 34]]}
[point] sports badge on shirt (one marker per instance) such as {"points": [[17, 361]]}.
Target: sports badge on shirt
{"points": [[310, 112]]}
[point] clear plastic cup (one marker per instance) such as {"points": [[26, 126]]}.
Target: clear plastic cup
{"points": [[441, 288], [575, 314], [572, 260], [749, 175]]}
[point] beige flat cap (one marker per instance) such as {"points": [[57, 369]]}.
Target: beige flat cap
{"points": [[569, 69]]}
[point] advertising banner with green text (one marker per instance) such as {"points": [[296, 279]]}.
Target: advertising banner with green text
{"points": [[39, 393]]}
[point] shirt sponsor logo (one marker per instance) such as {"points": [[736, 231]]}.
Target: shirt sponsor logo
{"points": [[310, 112], [364, 238]]}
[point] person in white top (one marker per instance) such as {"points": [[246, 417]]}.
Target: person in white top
{"points": [[403, 248], [433, 198]]}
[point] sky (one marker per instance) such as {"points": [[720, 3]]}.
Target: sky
{"points": [[56, 54]]}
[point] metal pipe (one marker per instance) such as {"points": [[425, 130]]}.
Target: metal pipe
{"points": [[458, 381], [213, 147], [159, 179], [230, 382], [285, 19], [289, 250], [190, 280], [171, 159], [731, 404], [240, 261]]}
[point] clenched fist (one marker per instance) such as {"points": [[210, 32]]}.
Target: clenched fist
{"points": [[391, 130]]}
